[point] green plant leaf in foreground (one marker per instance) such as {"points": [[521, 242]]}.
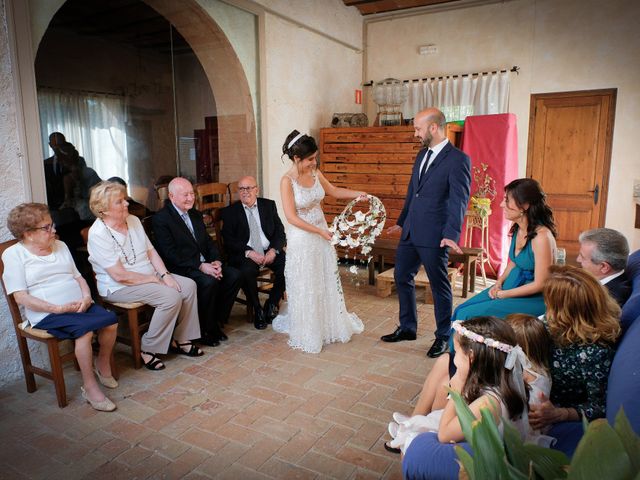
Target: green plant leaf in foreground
{"points": [[630, 441], [465, 461], [600, 454]]}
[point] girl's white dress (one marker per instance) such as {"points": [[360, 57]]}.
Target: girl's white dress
{"points": [[315, 313], [403, 429]]}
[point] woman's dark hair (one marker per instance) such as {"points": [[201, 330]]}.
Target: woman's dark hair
{"points": [[487, 367], [302, 148], [528, 191]]}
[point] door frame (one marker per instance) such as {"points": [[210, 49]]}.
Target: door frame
{"points": [[612, 93]]}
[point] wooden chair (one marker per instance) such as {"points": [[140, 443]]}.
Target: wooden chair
{"points": [[211, 196], [234, 194], [137, 317], [53, 346], [265, 276]]}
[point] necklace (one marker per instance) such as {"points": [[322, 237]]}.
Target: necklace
{"points": [[124, 254]]}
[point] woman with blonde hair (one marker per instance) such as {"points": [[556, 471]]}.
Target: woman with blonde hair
{"points": [[128, 269], [583, 323]]}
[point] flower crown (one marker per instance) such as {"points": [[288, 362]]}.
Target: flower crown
{"points": [[476, 337]]}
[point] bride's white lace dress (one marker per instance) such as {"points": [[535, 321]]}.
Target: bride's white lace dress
{"points": [[315, 313]]}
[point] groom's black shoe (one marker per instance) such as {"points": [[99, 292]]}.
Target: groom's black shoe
{"points": [[398, 336], [259, 322], [270, 312], [440, 346]]}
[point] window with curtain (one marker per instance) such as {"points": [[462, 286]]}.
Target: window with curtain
{"points": [[459, 96], [94, 123]]}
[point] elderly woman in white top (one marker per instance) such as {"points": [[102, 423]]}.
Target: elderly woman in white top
{"points": [[128, 269], [41, 275]]}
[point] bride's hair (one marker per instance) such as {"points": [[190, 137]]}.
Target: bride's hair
{"points": [[304, 146]]}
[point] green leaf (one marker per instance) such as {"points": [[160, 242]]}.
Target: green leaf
{"points": [[465, 416], [466, 461], [515, 474], [488, 448], [547, 463], [630, 441], [600, 454], [514, 447]]}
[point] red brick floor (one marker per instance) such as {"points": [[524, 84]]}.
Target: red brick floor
{"points": [[252, 408]]}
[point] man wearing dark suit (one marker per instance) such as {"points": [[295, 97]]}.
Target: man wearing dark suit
{"points": [[430, 222], [604, 253], [254, 237], [54, 172], [182, 241]]}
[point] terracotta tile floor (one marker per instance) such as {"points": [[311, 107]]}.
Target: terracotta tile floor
{"points": [[252, 408]]}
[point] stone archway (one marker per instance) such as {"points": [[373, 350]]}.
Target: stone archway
{"points": [[237, 136], [236, 118]]}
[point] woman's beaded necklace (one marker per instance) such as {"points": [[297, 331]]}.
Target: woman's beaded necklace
{"points": [[124, 254]]}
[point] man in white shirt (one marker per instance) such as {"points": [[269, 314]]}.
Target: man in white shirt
{"points": [[604, 253]]}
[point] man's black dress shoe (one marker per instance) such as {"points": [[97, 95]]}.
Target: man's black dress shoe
{"points": [[270, 312], [259, 322], [222, 336], [439, 347], [398, 336], [210, 341]]}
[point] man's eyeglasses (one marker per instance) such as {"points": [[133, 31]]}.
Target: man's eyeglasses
{"points": [[46, 228], [246, 189]]}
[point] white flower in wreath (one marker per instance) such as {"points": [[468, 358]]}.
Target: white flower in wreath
{"points": [[352, 242], [362, 228], [366, 249], [359, 216], [343, 226], [353, 269], [343, 242]]}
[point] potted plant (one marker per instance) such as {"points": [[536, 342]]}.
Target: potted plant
{"points": [[604, 452]]}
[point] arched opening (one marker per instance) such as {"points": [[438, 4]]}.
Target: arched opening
{"points": [[146, 89]]}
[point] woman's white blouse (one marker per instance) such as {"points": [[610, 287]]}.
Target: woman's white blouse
{"points": [[104, 252], [51, 278]]}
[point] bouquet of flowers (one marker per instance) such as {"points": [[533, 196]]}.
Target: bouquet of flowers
{"points": [[359, 229], [485, 192]]}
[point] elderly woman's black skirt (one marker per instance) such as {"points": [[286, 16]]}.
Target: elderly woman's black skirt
{"points": [[74, 325]]}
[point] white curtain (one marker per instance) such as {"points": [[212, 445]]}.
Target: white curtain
{"points": [[93, 123], [459, 96]]}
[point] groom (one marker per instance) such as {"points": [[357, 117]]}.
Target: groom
{"points": [[430, 222]]}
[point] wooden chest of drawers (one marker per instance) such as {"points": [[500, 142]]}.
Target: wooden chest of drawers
{"points": [[377, 160]]}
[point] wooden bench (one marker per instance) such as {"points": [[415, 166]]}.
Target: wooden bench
{"points": [[386, 283]]}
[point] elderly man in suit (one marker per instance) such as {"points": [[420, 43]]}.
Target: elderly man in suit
{"points": [[604, 253], [182, 240], [254, 237], [430, 222]]}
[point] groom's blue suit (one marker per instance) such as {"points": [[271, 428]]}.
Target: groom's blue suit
{"points": [[433, 209]]}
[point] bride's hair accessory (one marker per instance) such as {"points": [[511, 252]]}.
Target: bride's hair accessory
{"points": [[295, 139]]}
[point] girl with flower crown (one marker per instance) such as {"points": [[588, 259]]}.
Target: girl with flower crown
{"points": [[315, 313], [489, 375]]}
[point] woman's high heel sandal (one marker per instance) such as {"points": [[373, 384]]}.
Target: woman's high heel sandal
{"points": [[105, 405]]}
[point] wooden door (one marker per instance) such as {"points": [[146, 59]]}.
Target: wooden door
{"points": [[569, 153]]}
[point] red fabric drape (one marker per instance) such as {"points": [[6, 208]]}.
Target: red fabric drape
{"points": [[493, 140]]}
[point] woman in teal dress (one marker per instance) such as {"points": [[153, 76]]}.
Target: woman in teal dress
{"points": [[519, 288]]}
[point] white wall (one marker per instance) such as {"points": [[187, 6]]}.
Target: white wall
{"points": [[560, 45], [308, 76], [11, 191]]}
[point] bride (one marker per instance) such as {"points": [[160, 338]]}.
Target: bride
{"points": [[315, 313]]}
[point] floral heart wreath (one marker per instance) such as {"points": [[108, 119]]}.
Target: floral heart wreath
{"points": [[359, 229]]}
